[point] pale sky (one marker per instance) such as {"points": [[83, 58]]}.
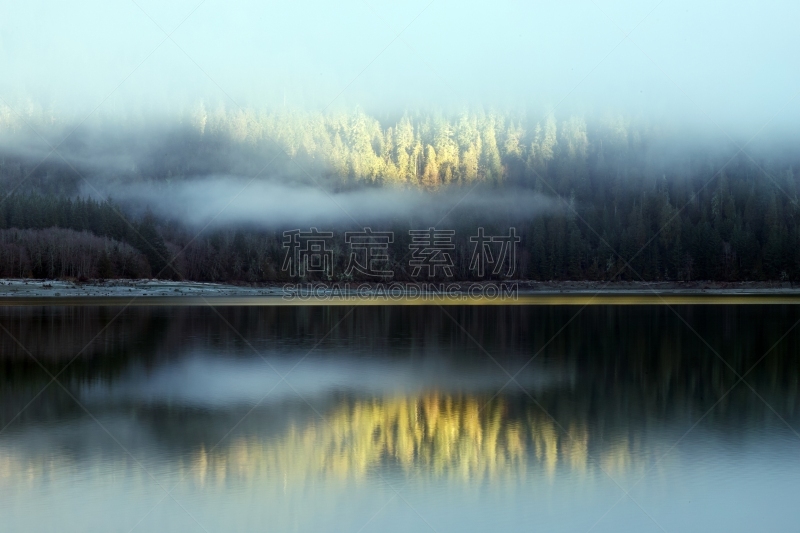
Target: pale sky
{"points": [[731, 64]]}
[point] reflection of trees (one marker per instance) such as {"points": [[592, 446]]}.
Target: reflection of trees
{"points": [[635, 368], [614, 346], [441, 436], [436, 436]]}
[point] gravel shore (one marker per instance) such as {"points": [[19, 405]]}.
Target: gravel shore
{"points": [[20, 288]]}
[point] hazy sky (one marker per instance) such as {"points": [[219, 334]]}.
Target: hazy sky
{"points": [[733, 63]]}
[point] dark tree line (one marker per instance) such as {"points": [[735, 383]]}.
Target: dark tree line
{"points": [[63, 253], [738, 227], [735, 224], [113, 245]]}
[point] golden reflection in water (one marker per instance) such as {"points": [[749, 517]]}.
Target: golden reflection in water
{"points": [[441, 436], [434, 436]]}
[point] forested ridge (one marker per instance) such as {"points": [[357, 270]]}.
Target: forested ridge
{"points": [[676, 209]]}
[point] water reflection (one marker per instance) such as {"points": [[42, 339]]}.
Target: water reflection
{"points": [[394, 398], [440, 435], [457, 438]]}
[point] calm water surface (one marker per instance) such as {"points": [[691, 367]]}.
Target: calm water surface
{"points": [[399, 419]]}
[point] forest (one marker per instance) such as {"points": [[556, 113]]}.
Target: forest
{"points": [[628, 200]]}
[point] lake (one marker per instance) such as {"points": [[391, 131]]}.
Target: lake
{"points": [[407, 418]]}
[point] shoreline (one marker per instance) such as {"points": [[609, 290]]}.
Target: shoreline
{"points": [[20, 292]]}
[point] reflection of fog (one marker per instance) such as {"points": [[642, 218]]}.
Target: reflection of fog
{"points": [[214, 382]]}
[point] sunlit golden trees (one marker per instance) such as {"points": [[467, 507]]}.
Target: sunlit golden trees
{"points": [[416, 151], [430, 176], [447, 159], [490, 157]]}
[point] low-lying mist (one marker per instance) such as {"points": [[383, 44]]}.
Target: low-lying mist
{"points": [[224, 201]]}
